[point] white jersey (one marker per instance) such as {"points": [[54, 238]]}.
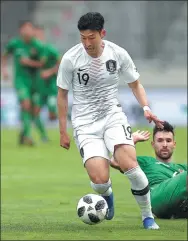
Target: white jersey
{"points": [[95, 81]]}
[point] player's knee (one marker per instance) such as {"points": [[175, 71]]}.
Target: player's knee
{"points": [[98, 179], [26, 105], [36, 111], [101, 188], [52, 116]]}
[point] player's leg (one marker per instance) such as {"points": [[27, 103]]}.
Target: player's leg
{"points": [[179, 201], [25, 104], [98, 170], [170, 198], [37, 102], [52, 107], [118, 139], [95, 158]]}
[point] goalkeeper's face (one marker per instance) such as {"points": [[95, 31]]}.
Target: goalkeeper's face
{"points": [[27, 31], [164, 145]]}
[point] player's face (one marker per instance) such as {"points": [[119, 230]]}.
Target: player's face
{"points": [[164, 145], [91, 40], [39, 34], [27, 31]]}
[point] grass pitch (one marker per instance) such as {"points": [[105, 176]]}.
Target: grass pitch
{"points": [[41, 187]]}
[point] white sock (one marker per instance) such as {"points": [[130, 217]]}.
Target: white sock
{"points": [[140, 190]]}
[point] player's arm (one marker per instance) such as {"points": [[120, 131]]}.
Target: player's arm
{"points": [[62, 103], [64, 80], [54, 69], [140, 94], [131, 76], [140, 136], [26, 61], [47, 73]]}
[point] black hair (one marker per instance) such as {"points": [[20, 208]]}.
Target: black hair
{"points": [[23, 22], [167, 127], [91, 21]]}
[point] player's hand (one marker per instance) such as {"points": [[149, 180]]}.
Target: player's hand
{"points": [[45, 74], [139, 136], [151, 117], [65, 141]]}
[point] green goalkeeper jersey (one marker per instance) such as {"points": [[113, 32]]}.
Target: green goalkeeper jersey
{"points": [[157, 171]]}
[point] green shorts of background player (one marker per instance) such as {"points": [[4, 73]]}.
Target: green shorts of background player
{"points": [[40, 100], [169, 199]]}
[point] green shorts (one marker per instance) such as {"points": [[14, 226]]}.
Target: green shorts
{"points": [[24, 88], [41, 100], [168, 196], [24, 93]]}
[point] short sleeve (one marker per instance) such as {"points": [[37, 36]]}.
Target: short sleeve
{"points": [[128, 69], [65, 74]]}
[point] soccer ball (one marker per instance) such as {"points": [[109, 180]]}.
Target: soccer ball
{"points": [[92, 209]]}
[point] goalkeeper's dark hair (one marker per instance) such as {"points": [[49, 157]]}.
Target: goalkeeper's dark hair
{"points": [[167, 127], [91, 21]]}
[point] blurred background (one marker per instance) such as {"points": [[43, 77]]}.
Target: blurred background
{"points": [[154, 33]]}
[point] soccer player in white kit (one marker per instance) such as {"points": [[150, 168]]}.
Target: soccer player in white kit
{"points": [[92, 68]]}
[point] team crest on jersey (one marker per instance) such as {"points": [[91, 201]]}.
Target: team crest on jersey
{"points": [[111, 66]]}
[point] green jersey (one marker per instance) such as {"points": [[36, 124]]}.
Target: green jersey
{"points": [[48, 86], [157, 171], [52, 56], [19, 48]]}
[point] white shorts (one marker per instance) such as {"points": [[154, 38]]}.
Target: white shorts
{"points": [[100, 137]]}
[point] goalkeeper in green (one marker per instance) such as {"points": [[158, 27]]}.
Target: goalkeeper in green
{"points": [[167, 180]]}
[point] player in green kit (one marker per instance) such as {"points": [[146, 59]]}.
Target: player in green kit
{"points": [[46, 83], [167, 180], [28, 56]]}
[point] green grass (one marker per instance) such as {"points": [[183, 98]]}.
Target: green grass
{"points": [[42, 185]]}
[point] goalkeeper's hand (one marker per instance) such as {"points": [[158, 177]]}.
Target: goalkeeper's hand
{"points": [[140, 136]]}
